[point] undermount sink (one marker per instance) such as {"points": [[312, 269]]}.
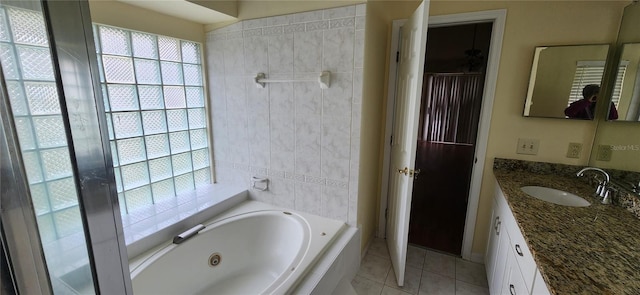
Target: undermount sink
{"points": [[555, 196]]}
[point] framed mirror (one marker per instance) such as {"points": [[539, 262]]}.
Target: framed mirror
{"points": [[565, 81], [626, 92], [617, 143]]}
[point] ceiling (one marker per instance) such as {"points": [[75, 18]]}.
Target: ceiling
{"points": [[184, 9]]}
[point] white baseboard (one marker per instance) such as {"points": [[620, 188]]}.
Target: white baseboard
{"points": [[477, 257], [366, 248]]}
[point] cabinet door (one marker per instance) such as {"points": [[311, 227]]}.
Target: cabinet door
{"points": [[513, 283], [519, 246], [500, 264], [492, 245]]}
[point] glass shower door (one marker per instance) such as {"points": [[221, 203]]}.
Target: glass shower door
{"points": [[68, 185]]}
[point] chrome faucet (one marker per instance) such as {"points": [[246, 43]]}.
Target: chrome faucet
{"points": [[602, 190]]}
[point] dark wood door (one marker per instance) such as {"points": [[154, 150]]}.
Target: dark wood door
{"points": [[449, 116], [439, 205], [445, 156]]}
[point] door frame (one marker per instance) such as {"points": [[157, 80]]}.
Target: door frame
{"points": [[498, 18]]}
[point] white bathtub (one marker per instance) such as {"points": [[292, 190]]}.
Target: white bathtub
{"points": [[263, 250]]}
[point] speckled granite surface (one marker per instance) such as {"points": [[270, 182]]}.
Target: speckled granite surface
{"points": [[578, 250], [622, 181]]}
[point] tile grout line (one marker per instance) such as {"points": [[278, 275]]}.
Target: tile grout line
{"points": [[389, 269], [424, 264], [422, 272], [420, 280], [455, 275]]}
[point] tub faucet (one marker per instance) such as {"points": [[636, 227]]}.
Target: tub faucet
{"points": [[602, 190], [188, 234]]}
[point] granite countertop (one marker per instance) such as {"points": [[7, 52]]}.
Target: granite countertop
{"points": [[578, 250]]}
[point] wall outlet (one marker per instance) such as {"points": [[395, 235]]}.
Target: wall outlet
{"points": [[574, 150], [528, 146], [604, 152]]}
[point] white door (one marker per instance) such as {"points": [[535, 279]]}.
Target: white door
{"points": [[413, 47]]}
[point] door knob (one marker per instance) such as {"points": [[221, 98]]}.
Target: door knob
{"points": [[409, 172]]}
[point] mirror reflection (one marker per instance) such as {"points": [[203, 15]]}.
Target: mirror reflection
{"points": [[621, 140], [565, 82], [626, 95]]}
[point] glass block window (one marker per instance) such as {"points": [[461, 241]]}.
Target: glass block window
{"points": [[28, 68], [154, 101]]}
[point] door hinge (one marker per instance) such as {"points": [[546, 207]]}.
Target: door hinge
{"points": [[386, 212], [397, 56], [391, 141]]}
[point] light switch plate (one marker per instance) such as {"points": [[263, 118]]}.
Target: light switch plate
{"points": [[528, 146], [574, 150]]}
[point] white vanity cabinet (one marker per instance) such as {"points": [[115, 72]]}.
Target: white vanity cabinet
{"points": [[509, 263], [498, 241], [513, 282]]}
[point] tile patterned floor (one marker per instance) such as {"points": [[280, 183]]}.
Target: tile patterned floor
{"points": [[427, 272]]}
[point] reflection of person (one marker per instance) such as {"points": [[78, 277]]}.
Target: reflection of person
{"points": [[585, 108]]}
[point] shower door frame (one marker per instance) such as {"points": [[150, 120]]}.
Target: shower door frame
{"points": [[70, 33], [28, 271]]}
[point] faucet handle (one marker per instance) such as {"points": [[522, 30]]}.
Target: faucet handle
{"points": [[607, 197], [601, 189]]}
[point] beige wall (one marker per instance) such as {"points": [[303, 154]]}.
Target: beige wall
{"points": [[117, 14], [256, 9], [530, 24], [554, 77], [227, 7]]}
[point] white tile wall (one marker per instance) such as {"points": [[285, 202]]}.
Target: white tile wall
{"points": [[304, 139]]}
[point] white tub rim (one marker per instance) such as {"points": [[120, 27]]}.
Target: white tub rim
{"points": [[170, 246], [252, 208]]}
